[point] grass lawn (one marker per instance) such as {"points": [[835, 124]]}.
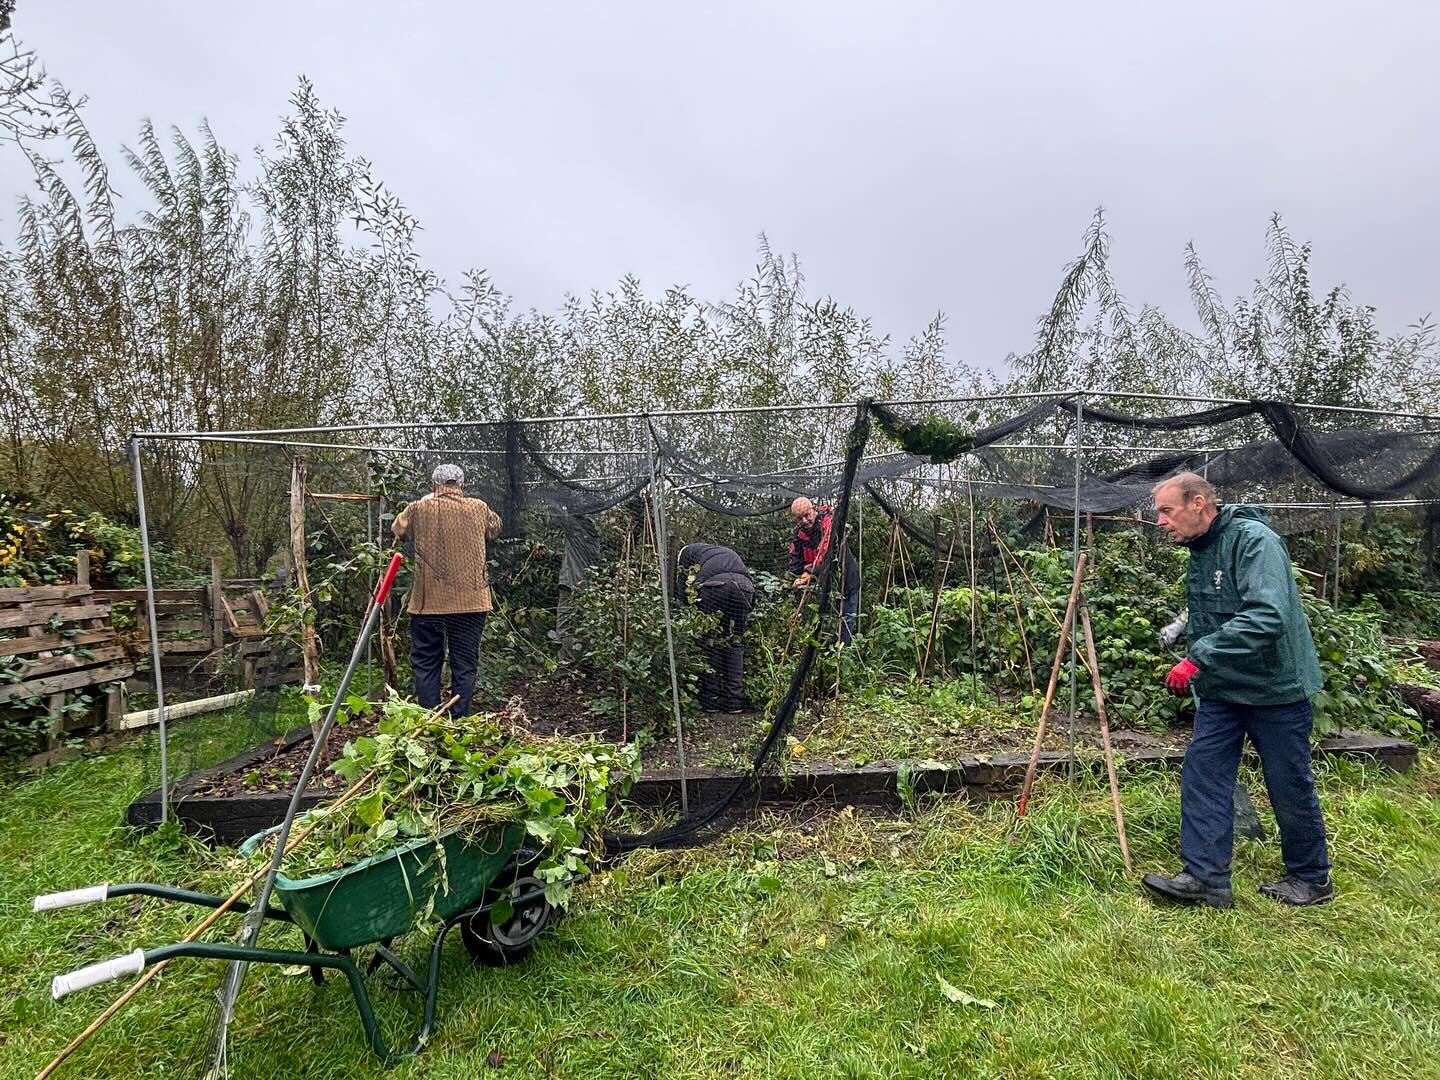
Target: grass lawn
{"points": [[805, 945]]}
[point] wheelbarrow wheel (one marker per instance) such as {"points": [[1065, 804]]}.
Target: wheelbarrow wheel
{"points": [[497, 943]]}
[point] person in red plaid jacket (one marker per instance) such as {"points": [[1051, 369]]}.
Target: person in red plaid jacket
{"points": [[808, 548]]}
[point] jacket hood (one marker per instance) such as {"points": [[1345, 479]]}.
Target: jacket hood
{"points": [[1227, 514], [1237, 510]]}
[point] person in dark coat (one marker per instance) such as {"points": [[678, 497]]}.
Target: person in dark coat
{"points": [[1251, 663], [720, 584]]}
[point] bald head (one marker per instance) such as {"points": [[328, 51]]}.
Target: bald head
{"points": [[803, 511]]}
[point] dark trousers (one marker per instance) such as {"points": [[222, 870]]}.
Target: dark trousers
{"points": [[722, 685], [431, 636], [1281, 735]]}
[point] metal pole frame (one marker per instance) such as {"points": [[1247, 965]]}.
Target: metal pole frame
{"points": [[154, 628], [1337, 556], [738, 409], [1075, 559], [859, 557], [662, 548]]}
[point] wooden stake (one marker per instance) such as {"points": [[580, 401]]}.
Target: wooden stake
{"points": [[1065, 626], [938, 584], [889, 563], [215, 600], [1092, 661], [309, 643]]}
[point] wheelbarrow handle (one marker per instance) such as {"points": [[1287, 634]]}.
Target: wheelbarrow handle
{"points": [[91, 894], [100, 893], [95, 974]]}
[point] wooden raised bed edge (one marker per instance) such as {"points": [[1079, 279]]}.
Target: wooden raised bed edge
{"points": [[229, 820]]}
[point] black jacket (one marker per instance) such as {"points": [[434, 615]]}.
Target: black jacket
{"points": [[717, 566]]}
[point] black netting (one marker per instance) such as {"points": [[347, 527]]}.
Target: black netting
{"points": [[579, 524]]}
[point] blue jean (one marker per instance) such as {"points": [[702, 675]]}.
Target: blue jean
{"points": [[431, 636], [849, 617], [1281, 735]]}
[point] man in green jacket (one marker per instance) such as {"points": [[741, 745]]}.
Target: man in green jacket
{"points": [[1252, 666]]}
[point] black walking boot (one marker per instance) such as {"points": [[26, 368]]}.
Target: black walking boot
{"points": [[1299, 893], [1183, 888], [709, 692]]}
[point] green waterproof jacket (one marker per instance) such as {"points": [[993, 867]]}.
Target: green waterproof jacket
{"points": [[1247, 632]]}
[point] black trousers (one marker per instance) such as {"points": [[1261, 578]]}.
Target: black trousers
{"points": [[722, 686], [431, 637]]}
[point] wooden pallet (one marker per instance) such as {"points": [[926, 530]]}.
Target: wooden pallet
{"points": [[208, 630], [60, 640]]}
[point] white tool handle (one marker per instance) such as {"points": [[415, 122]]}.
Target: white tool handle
{"points": [[73, 898], [95, 974]]}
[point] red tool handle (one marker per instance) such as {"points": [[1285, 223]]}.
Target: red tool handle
{"points": [[389, 578]]}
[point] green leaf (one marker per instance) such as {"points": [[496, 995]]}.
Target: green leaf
{"points": [[371, 809], [960, 997], [540, 829]]}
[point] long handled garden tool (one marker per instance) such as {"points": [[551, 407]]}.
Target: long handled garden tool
{"points": [[96, 973], [235, 976], [78, 980]]}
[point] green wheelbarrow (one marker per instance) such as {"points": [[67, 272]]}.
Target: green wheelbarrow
{"points": [[482, 883]]}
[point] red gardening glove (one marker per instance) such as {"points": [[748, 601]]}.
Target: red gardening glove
{"points": [[1180, 675]]}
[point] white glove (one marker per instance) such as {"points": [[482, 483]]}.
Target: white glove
{"points": [[1174, 631]]}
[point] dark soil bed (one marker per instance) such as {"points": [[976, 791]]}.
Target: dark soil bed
{"points": [[542, 707], [848, 754]]}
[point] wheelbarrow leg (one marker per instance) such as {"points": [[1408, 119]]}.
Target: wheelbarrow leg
{"points": [[255, 955], [433, 990], [317, 973], [384, 955]]}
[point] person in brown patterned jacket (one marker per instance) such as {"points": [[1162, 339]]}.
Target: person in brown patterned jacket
{"points": [[450, 597]]}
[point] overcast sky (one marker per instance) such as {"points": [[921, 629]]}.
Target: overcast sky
{"points": [[917, 157]]}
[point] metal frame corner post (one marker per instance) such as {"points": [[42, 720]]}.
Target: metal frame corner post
{"points": [[1075, 558], [662, 546], [154, 627]]}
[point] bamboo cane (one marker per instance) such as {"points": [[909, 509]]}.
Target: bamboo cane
{"points": [[1015, 602], [210, 920], [1093, 663], [1065, 627]]}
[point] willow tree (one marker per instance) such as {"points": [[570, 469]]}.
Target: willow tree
{"points": [[1283, 342]]}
